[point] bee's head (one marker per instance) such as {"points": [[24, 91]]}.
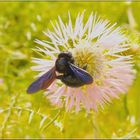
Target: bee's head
{"points": [[67, 56], [62, 61]]}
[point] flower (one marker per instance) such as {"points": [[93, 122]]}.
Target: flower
{"points": [[100, 46], [1, 81]]}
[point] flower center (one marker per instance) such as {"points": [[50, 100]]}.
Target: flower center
{"points": [[88, 57]]}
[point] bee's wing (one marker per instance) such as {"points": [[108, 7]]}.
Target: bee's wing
{"points": [[42, 82], [81, 74]]}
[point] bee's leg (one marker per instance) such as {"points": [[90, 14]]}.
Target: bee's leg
{"points": [[85, 67], [59, 77]]}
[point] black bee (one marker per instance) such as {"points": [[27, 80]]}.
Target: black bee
{"points": [[69, 74]]}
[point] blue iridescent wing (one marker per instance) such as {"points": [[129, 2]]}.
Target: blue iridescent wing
{"points": [[81, 74], [42, 82]]}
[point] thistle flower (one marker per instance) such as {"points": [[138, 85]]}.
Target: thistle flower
{"points": [[1, 81], [98, 45]]}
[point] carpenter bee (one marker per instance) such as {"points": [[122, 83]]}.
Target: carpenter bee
{"points": [[69, 74]]}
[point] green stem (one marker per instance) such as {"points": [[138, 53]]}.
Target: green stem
{"points": [[131, 19], [93, 121], [5, 122], [52, 121]]}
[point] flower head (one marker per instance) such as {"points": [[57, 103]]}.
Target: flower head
{"points": [[96, 45]]}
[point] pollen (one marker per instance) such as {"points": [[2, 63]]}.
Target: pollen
{"points": [[88, 57]]}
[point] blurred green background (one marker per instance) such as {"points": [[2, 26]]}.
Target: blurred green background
{"points": [[32, 116]]}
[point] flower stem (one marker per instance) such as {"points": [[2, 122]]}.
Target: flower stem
{"points": [[52, 121], [4, 125]]}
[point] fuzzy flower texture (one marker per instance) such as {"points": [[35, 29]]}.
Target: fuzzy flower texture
{"points": [[100, 46]]}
